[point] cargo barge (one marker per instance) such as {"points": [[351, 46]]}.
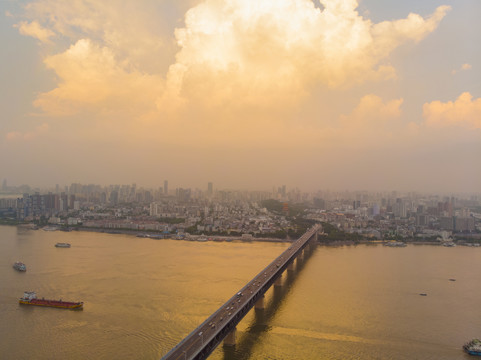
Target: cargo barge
{"points": [[30, 298], [62, 245]]}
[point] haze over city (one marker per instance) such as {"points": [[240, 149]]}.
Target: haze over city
{"points": [[373, 95]]}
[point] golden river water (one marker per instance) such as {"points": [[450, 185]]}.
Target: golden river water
{"points": [[142, 296]]}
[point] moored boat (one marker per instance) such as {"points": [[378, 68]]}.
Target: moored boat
{"points": [[449, 244], [20, 266], [50, 228], [62, 245], [30, 298], [395, 244], [473, 347]]}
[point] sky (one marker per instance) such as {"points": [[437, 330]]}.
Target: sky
{"points": [[247, 94]]}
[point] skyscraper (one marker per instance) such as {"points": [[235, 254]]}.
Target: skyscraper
{"points": [[210, 189], [166, 187]]}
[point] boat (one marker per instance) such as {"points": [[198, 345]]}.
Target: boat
{"points": [[202, 238], [473, 347], [20, 266], [62, 245], [449, 244], [30, 298], [50, 228], [395, 244]]}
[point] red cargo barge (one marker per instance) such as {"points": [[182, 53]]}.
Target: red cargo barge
{"points": [[30, 298]]}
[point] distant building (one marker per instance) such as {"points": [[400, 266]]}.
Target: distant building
{"points": [[464, 224], [446, 223], [399, 208], [421, 220], [166, 187], [183, 194], [320, 203], [210, 189], [114, 197]]}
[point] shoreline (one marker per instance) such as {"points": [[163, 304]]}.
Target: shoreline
{"points": [[218, 238]]}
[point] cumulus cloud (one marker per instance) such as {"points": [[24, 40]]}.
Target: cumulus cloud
{"points": [[230, 52], [273, 51], [462, 68], [91, 77], [463, 112], [34, 29], [236, 79], [135, 33]]}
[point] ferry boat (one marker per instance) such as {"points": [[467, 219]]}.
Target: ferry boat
{"points": [[62, 245], [20, 266], [473, 347], [30, 298]]}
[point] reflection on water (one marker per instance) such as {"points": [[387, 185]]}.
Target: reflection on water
{"points": [[142, 296]]}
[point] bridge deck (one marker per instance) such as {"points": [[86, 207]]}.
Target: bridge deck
{"points": [[208, 335]]}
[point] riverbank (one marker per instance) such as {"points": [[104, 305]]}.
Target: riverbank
{"points": [[157, 236]]}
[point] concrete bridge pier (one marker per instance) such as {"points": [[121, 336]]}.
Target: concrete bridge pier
{"points": [[278, 281], [230, 339], [300, 257], [290, 267], [260, 303]]}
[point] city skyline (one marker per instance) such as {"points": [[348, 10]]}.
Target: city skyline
{"points": [[356, 95], [211, 189]]}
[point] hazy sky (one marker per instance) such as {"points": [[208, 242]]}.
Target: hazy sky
{"points": [[250, 94]]}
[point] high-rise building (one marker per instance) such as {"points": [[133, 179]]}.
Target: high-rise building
{"points": [[320, 203], [183, 194], [114, 197], [210, 189], [464, 224], [166, 187]]}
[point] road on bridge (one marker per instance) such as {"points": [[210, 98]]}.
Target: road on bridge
{"points": [[205, 338]]}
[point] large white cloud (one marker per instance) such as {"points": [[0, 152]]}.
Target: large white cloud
{"points": [[91, 78], [237, 80], [231, 52], [274, 50]]}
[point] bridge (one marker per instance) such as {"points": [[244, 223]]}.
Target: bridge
{"points": [[221, 325]]}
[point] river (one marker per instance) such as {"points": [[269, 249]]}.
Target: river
{"points": [[142, 296]]}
